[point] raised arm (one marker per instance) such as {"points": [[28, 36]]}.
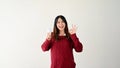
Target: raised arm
{"points": [[47, 44], [77, 44]]}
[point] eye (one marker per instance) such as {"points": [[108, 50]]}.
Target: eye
{"points": [[62, 21], [58, 22]]}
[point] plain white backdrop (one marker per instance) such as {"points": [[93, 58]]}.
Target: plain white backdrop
{"points": [[24, 24]]}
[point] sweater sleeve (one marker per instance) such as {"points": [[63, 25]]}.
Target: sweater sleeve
{"points": [[46, 45], [77, 44]]}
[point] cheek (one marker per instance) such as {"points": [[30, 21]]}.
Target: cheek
{"points": [[64, 24], [57, 25]]}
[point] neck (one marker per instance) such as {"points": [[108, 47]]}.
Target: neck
{"points": [[62, 33]]}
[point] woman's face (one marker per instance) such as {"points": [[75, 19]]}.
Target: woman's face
{"points": [[60, 24]]}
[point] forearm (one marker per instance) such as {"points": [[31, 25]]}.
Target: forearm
{"points": [[77, 44], [46, 45]]}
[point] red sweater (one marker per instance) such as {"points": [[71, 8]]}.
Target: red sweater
{"points": [[62, 51]]}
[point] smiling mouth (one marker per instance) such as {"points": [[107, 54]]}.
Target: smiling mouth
{"points": [[61, 27]]}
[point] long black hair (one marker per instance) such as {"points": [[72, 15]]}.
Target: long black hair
{"points": [[56, 31]]}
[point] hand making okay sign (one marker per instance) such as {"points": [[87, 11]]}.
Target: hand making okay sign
{"points": [[73, 29]]}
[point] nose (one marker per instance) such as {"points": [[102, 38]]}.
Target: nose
{"points": [[61, 23]]}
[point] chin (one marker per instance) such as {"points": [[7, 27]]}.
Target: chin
{"points": [[61, 29]]}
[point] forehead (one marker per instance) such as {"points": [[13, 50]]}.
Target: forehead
{"points": [[59, 19]]}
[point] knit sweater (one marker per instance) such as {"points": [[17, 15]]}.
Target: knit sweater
{"points": [[62, 51]]}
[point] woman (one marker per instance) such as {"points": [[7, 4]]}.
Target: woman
{"points": [[61, 42]]}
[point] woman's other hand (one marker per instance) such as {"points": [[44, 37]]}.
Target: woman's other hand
{"points": [[73, 29], [48, 36]]}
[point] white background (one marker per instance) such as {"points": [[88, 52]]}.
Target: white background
{"points": [[24, 24]]}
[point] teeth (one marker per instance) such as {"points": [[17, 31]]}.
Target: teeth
{"points": [[61, 27]]}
